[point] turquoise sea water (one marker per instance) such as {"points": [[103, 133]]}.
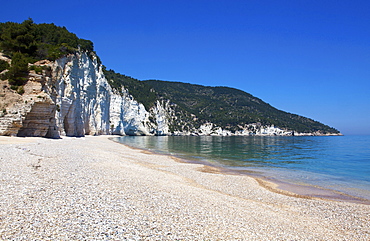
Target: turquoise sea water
{"points": [[340, 163]]}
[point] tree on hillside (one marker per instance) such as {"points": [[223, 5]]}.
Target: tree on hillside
{"points": [[18, 71], [3, 65]]}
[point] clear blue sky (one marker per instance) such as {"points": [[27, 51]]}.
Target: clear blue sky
{"points": [[310, 58]]}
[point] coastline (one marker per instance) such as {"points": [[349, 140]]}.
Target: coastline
{"points": [[279, 186], [92, 187]]}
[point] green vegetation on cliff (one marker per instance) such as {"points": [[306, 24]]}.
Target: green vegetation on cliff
{"points": [[141, 91], [3, 65], [39, 41], [28, 42]]}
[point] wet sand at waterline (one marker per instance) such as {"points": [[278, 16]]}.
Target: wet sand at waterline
{"points": [[93, 188]]}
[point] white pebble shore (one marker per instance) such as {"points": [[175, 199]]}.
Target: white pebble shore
{"points": [[92, 188]]}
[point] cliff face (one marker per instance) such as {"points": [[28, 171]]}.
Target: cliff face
{"points": [[30, 114], [72, 97], [81, 95], [127, 116], [86, 103]]}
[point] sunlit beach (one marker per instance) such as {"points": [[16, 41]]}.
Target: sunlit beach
{"points": [[94, 188]]}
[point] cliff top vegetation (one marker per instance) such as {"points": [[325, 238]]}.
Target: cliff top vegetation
{"points": [[39, 41], [28, 42]]}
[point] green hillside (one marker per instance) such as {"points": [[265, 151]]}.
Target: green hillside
{"points": [[223, 106], [229, 107]]}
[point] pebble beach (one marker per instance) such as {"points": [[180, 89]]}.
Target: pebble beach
{"points": [[92, 188]]}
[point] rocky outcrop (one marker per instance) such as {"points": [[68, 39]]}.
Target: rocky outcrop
{"points": [[9, 125], [81, 94], [127, 116], [40, 121], [31, 114]]}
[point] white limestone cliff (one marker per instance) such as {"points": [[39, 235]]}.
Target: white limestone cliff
{"points": [[162, 115], [87, 103], [81, 93], [127, 116]]}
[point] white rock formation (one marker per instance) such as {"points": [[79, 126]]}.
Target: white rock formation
{"points": [[82, 96], [162, 114], [89, 106], [127, 116]]}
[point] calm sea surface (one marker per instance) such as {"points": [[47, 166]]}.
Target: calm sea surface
{"points": [[340, 163]]}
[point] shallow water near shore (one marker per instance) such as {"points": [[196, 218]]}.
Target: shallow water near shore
{"points": [[339, 163]]}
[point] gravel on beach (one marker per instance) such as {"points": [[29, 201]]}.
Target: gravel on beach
{"points": [[92, 188]]}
